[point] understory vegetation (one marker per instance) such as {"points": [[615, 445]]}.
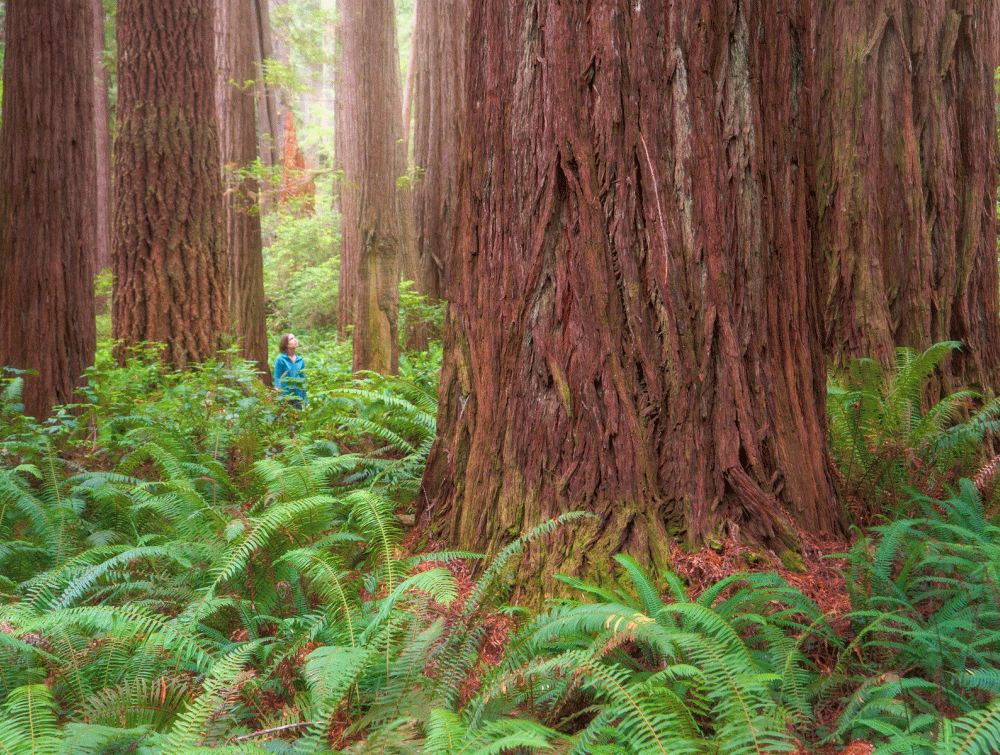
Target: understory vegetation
{"points": [[187, 565]]}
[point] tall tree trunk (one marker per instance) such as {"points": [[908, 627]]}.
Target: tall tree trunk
{"points": [[347, 155], [102, 132], [268, 121], [239, 149], [907, 167], [634, 326], [48, 199], [171, 270], [369, 113], [440, 43]]}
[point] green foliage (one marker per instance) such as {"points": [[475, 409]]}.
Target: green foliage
{"points": [[925, 595], [163, 600], [301, 270], [418, 311], [630, 672], [886, 436]]}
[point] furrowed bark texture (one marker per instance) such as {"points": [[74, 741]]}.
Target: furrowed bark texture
{"points": [[171, 271], [440, 41], [237, 109], [48, 205], [370, 220], [907, 166], [634, 323]]}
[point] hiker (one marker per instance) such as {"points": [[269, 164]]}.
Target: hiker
{"points": [[288, 368]]}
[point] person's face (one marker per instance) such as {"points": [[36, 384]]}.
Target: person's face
{"points": [[293, 342]]}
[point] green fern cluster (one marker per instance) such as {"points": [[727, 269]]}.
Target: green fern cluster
{"points": [[925, 592], [159, 609], [886, 436], [628, 672]]}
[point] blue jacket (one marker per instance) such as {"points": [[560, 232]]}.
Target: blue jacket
{"points": [[288, 376]]}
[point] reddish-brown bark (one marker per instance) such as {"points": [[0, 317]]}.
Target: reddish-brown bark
{"points": [[368, 110], [907, 172], [298, 183], [267, 98], [347, 158], [171, 268], [440, 42], [48, 203], [635, 311], [102, 134], [238, 144]]}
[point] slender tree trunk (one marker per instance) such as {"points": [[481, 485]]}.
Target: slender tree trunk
{"points": [[907, 166], [347, 156], [634, 326], [102, 132], [48, 199], [369, 113], [239, 150], [269, 123], [171, 268], [440, 43]]}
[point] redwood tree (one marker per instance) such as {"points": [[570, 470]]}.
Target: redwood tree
{"points": [[48, 201], [635, 325], [102, 133], [268, 121], [907, 175], [368, 94], [440, 41], [171, 271], [237, 109]]}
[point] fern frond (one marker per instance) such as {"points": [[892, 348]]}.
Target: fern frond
{"points": [[190, 728], [29, 724], [256, 538], [138, 704], [972, 734], [99, 739]]}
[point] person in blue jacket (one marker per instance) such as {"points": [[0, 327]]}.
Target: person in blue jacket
{"points": [[288, 368]]}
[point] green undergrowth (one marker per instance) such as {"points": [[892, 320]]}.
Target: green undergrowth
{"points": [[889, 434], [187, 565]]}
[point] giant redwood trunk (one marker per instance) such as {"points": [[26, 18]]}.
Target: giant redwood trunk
{"points": [[371, 239], [907, 169], [634, 324], [440, 41], [48, 203], [238, 145], [171, 271]]}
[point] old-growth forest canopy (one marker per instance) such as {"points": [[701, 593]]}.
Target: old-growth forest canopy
{"points": [[651, 376]]}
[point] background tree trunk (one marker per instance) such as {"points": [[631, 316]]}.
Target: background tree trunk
{"points": [[369, 114], [440, 44], [347, 156], [48, 199], [102, 133], [237, 112], [268, 121], [171, 270], [634, 324], [907, 168]]}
